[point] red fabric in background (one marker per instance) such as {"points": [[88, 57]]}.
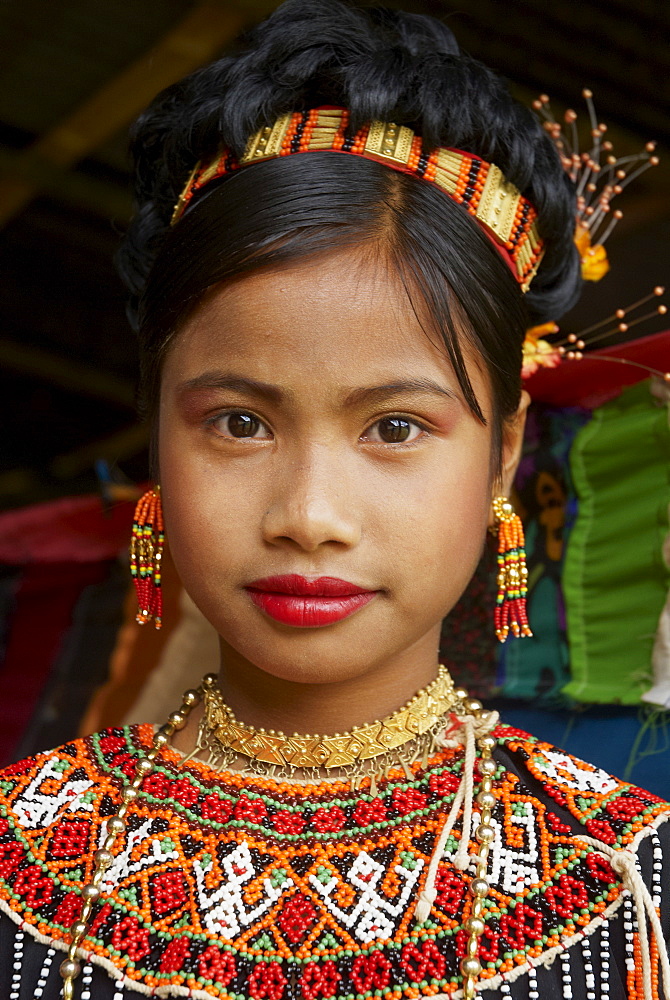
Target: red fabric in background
{"points": [[74, 529], [593, 381], [45, 600], [62, 547]]}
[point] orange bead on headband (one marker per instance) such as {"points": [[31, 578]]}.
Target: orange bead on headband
{"points": [[506, 217]]}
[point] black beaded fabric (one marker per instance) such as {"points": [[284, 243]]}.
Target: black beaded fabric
{"points": [[29, 970]]}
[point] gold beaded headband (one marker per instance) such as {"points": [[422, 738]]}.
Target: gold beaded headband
{"points": [[504, 214]]}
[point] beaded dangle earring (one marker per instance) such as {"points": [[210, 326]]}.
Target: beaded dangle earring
{"points": [[146, 553], [510, 611]]}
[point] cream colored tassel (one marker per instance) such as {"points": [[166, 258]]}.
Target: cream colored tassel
{"points": [[466, 729]]}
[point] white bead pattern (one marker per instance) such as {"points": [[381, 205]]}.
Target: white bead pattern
{"points": [[566, 975], [657, 870], [605, 962], [44, 973], [86, 976], [533, 993], [629, 931], [589, 975], [19, 939]]}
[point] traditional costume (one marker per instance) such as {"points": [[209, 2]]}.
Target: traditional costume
{"points": [[248, 887], [434, 853]]}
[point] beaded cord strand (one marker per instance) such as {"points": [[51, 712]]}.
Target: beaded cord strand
{"points": [[19, 940], [44, 973], [483, 721], [566, 975], [605, 962], [630, 947], [589, 977], [71, 967], [86, 978]]}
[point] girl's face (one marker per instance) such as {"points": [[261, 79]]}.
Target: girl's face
{"points": [[309, 429]]}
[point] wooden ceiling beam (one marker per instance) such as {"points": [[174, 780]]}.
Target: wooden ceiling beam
{"points": [[66, 373], [199, 37], [19, 171]]}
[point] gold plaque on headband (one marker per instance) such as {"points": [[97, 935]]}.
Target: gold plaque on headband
{"points": [[498, 204], [266, 143], [507, 216], [389, 142]]}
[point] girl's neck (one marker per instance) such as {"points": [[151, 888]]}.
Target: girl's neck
{"points": [[264, 701]]}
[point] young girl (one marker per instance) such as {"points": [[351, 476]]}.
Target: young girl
{"points": [[331, 322]]}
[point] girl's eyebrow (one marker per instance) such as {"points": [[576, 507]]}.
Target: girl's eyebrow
{"points": [[233, 383], [379, 393], [265, 390]]}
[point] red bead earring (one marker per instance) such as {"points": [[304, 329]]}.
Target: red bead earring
{"points": [[146, 553], [510, 611]]}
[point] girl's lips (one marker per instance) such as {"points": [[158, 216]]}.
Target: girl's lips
{"points": [[295, 600]]}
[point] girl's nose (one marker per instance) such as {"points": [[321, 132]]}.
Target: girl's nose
{"points": [[312, 505]]}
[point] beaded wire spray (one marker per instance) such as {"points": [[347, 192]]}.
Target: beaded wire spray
{"points": [[146, 553], [510, 611], [599, 176]]}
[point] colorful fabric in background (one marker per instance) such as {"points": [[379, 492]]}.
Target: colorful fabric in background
{"points": [[62, 601], [538, 669]]}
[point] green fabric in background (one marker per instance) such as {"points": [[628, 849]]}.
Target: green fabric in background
{"points": [[615, 581]]}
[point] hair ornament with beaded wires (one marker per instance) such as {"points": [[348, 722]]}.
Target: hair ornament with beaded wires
{"points": [[599, 176]]}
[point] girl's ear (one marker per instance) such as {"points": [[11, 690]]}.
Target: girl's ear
{"points": [[512, 441]]}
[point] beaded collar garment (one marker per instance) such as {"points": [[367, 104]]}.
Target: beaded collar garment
{"points": [[236, 887]]}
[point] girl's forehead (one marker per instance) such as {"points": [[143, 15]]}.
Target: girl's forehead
{"points": [[342, 313]]}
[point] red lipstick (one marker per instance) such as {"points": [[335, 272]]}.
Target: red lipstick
{"points": [[302, 603]]}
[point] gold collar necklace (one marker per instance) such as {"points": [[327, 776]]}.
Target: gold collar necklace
{"points": [[400, 738]]}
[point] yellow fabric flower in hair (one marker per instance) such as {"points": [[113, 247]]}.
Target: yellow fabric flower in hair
{"points": [[595, 264], [537, 352]]}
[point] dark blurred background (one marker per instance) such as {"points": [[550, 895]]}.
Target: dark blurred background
{"points": [[74, 74]]}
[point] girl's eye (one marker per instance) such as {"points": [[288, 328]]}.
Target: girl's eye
{"points": [[240, 425], [393, 430]]}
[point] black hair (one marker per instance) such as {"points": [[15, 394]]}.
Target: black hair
{"points": [[380, 64]]}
